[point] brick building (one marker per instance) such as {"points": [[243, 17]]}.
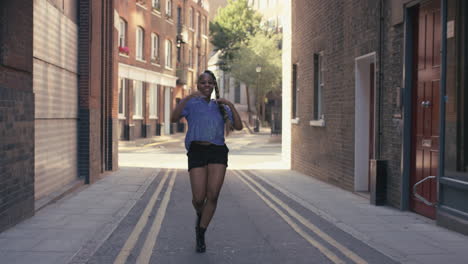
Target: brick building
{"points": [[56, 118], [162, 47], [368, 89]]}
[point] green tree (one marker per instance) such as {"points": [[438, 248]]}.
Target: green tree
{"points": [[262, 50], [232, 27]]}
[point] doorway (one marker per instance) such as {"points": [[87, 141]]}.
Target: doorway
{"points": [[425, 108], [364, 140]]}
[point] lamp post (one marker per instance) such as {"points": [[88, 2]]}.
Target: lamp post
{"points": [[258, 69]]}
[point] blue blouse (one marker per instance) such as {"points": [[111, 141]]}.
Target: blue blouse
{"points": [[205, 121]]}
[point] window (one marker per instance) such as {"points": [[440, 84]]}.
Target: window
{"points": [[155, 48], [237, 94], [318, 86], [140, 40], [191, 17], [138, 100], [456, 106], [157, 5], [122, 90], [203, 25], [122, 33], [169, 9], [168, 54], [294, 109], [153, 104], [190, 58], [197, 23]]}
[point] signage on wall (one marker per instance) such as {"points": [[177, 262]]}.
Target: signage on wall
{"points": [[450, 29]]}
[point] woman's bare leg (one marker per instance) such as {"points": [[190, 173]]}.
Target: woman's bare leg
{"points": [[198, 181], [216, 173]]}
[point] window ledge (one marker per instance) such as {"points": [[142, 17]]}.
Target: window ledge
{"points": [[155, 64], [170, 21], [140, 60], [295, 121], [142, 6], [317, 123], [124, 55], [137, 118], [167, 68], [156, 12], [122, 117], [153, 117]]}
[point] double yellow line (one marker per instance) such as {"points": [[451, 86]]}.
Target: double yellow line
{"points": [[270, 199], [150, 242]]}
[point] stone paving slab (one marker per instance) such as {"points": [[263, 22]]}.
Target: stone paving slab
{"points": [[60, 231], [404, 236]]}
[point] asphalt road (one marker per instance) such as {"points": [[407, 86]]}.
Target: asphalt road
{"points": [[255, 221]]}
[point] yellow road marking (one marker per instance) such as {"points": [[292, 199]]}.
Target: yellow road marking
{"points": [[330, 255], [348, 253], [150, 242], [133, 238]]}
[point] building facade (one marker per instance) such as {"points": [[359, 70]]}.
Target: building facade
{"points": [[162, 47], [57, 119], [377, 101]]}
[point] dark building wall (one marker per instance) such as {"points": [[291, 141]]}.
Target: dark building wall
{"points": [[96, 93], [16, 112], [343, 31]]}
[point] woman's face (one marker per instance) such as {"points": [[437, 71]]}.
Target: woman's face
{"points": [[206, 85]]}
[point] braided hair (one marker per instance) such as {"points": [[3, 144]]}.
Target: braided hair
{"points": [[227, 121]]}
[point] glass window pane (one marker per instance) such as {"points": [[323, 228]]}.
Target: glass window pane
{"points": [[456, 118]]}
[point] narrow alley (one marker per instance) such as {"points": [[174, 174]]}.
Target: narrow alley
{"points": [[143, 214]]}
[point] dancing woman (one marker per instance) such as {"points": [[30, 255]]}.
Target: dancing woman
{"points": [[208, 120]]}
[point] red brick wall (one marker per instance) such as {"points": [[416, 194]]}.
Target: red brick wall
{"points": [[343, 30]]}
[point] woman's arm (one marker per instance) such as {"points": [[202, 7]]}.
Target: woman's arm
{"points": [[235, 115], [175, 116]]}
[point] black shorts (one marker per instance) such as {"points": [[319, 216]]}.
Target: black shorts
{"points": [[201, 155]]}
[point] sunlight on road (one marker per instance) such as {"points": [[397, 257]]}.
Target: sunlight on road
{"points": [[247, 151]]}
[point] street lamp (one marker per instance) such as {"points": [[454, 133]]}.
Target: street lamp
{"points": [[258, 69]]}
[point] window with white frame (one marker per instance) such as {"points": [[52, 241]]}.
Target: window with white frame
{"points": [[140, 40], [156, 5], [197, 23], [138, 100], [153, 104], [169, 8], [318, 86], [191, 17], [155, 48], [168, 53], [122, 89], [122, 33]]}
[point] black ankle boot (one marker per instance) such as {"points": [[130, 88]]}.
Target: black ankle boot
{"points": [[200, 231], [198, 219]]}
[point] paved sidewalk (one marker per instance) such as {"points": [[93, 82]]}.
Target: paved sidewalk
{"points": [[404, 236], [61, 230]]}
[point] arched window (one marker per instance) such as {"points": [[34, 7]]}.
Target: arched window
{"points": [[155, 48], [168, 54], [122, 33], [140, 40]]}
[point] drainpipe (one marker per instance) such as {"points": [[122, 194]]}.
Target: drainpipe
{"points": [[378, 152]]}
